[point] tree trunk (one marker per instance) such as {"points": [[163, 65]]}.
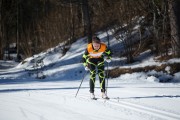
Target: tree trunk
{"points": [[155, 30], [1, 41], [87, 22], [72, 27], [174, 12], [129, 45], [17, 29]]}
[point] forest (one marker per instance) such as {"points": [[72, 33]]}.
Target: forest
{"points": [[32, 26]]}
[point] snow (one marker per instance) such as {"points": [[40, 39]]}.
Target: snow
{"points": [[55, 100], [152, 79], [177, 77], [7, 64], [136, 96]]}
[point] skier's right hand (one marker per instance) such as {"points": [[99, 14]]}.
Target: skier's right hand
{"points": [[86, 68], [108, 60]]}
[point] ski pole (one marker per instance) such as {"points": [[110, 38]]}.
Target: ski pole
{"points": [[107, 75], [81, 83]]}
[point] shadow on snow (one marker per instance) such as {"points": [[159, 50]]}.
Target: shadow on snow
{"points": [[39, 89]]}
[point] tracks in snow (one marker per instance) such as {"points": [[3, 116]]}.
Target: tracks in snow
{"points": [[144, 109], [165, 115]]}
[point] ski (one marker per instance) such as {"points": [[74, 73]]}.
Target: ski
{"points": [[106, 98], [93, 98], [100, 98]]}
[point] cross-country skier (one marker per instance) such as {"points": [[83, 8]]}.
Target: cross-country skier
{"points": [[93, 58]]}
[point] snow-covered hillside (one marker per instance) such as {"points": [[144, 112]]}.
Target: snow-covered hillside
{"points": [[137, 96]]}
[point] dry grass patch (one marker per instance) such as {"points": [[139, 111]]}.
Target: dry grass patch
{"points": [[174, 68]]}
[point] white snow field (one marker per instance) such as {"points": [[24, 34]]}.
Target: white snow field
{"points": [[137, 96]]}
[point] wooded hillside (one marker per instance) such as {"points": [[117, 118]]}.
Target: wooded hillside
{"points": [[36, 25]]}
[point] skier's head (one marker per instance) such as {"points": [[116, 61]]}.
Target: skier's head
{"points": [[96, 42], [95, 39]]}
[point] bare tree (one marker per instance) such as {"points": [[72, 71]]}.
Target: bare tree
{"points": [[174, 11], [86, 16], [155, 27], [1, 41], [17, 27]]}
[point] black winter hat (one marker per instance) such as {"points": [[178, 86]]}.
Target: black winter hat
{"points": [[96, 39]]}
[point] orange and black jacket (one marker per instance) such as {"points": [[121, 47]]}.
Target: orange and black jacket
{"points": [[91, 53]]}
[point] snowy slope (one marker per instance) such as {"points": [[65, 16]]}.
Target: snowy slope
{"points": [[137, 96]]}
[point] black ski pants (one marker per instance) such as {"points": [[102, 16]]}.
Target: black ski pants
{"points": [[96, 64]]}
